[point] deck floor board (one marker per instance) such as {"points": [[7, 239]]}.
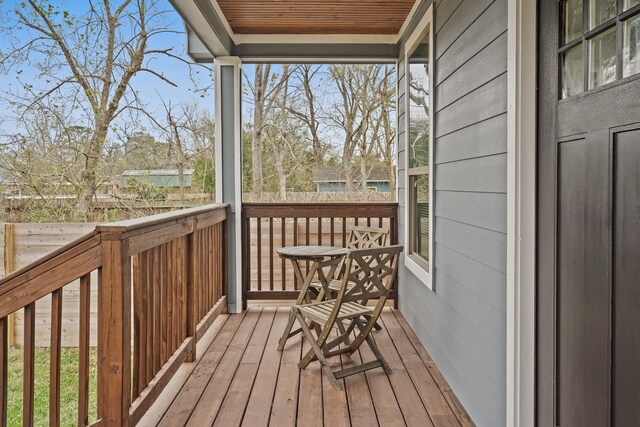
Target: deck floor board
{"points": [[242, 379]]}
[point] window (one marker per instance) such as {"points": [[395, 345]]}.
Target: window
{"points": [[419, 153], [600, 43]]}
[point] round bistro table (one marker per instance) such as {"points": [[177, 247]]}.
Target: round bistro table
{"points": [[321, 258]]}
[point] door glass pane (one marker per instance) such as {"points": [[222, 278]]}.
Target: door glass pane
{"points": [[420, 216], [572, 72], [601, 11], [631, 49], [573, 20], [628, 4], [419, 116], [602, 59]]}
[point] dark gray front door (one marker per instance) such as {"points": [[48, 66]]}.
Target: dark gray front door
{"points": [[588, 307]]}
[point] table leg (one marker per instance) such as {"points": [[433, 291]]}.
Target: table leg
{"points": [[301, 297]]}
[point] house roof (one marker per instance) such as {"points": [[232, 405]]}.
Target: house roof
{"points": [[337, 174], [157, 178]]}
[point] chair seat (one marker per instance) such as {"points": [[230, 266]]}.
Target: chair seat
{"points": [[334, 285], [319, 312]]}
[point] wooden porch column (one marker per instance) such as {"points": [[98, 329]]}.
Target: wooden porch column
{"points": [[229, 170], [114, 333]]}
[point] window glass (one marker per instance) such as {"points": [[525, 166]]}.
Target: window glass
{"points": [[600, 11], [572, 72], [420, 216], [602, 59], [573, 20], [631, 47], [419, 123], [628, 4], [419, 116]]}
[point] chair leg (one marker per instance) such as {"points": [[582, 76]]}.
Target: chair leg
{"points": [[378, 355], [315, 349]]}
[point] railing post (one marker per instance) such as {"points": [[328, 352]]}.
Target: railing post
{"points": [[114, 336], [192, 297]]}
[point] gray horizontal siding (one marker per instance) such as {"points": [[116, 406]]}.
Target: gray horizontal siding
{"points": [[463, 323]]}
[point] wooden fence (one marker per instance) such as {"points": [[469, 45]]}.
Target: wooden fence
{"points": [[163, 277], [269, 226], [22, 244]]}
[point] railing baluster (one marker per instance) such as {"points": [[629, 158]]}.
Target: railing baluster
{"points": [[147, 257], [161, 266], [29, 361], [319, 231], [283, 279], [83, 368], [271, 254], [295, 243], [170, 262], [156, 309], [211, 270], [138, 324], [306, 242], [192, 291], [333, 231], [344, 232], [54, 357], [259, 251], [4, 369]]}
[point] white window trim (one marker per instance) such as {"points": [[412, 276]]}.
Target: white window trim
{"points": [[424, 27]]}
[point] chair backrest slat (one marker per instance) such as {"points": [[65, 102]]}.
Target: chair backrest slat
{"points": [[367, 237]]}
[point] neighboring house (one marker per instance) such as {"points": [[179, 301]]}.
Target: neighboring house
{"points": [[330, 179], [161, 178]]}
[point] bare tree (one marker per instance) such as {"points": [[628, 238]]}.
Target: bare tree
{"points": [[306, 109], [358, 87], [91, 59], [265, 89], [189, 133]]}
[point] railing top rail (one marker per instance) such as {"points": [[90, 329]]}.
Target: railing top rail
{"points": [[305, 204], [320, 210], [50, 273], [153, 220], [46, 258]]}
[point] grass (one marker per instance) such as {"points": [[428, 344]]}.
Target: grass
{"points": [[68, 386]]}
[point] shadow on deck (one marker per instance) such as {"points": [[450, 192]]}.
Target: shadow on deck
{"points": [[241, 379]]}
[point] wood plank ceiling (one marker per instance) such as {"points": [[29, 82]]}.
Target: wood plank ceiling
{"points": [[316, 16]]}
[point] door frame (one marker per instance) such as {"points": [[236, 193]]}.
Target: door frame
{"points": [[521, 211]]}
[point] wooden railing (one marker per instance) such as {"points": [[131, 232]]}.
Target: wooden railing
{"points": [[162, 276], [268, 226]]}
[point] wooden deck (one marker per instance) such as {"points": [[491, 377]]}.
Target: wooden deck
{"points": [[241, 379]]}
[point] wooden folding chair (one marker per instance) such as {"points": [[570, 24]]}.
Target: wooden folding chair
{"points": [[369, 275]]}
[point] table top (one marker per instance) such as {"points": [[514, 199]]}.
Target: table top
{"points": [[311, 252]]}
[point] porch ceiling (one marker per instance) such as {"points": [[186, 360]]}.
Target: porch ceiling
{"points": [[298, 30], [316, 16]]}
